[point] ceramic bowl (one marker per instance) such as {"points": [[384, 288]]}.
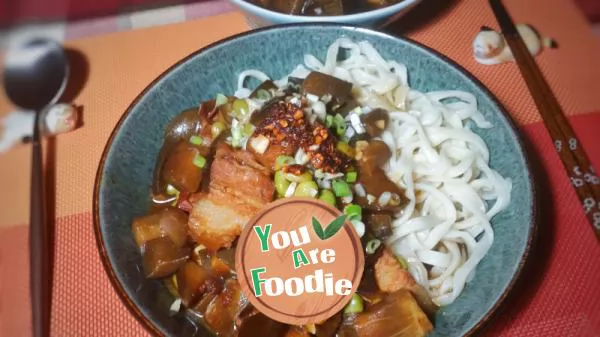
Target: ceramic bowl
{"points": [[257, 16], [122, 189]]}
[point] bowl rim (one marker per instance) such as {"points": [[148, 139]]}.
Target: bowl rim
{"points": [[533, 226], [367, 15]]}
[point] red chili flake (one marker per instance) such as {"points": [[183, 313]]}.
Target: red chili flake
{"points": [[295, 169], [285, 124]]}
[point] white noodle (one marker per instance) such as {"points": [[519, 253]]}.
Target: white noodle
{"points": [[442, 165]]}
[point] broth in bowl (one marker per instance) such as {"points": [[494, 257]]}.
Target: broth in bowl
{"points": [[323, 7]]}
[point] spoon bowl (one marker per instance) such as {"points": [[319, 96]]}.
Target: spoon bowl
{"points": [[35, 74]]}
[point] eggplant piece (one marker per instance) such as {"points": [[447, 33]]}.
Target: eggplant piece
{"points": [[173, 224], [325, 7], [373, 298], [210, 113], [347, 328], [375, 154], [252, 323], [246, 311], [320, 84], [179, 169], [380, 224], [183, 126], [165, 222], [424, 299], [202, 257], [347, 331], [202, 305], [345, 108], [391, 276], [180, 128], [267, 86], [381, 3], [194, 282], [376, 182], [224, 308], [368, 283], [293, 7], [161, 257], [375, 122], [227, 256], [146, 228], [329, 327], [397, 315], [296, 81], [219, 267], [256, 324], [190, 122], [304, 7], [171, 285], [297, 331]]}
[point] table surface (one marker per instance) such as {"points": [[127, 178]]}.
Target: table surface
{"points": [[558, 293]]}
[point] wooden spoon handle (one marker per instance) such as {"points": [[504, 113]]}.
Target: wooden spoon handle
{"points": [[39, 247]]}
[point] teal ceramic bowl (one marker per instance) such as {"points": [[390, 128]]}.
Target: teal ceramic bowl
{"points": [[125, 172], [257, 16]]}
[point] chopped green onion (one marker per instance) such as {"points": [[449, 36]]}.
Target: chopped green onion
{"points": [[354, 212], [281, 184], [338, 119], [196, 140], [217, 128], [340, 124], [282, 161], [402, 262], [328, 121], [355, 305], [236, 133], [220, 100], [306, 176], [240, 107], [328, 197], [351, 177], [263, 94], [171, 190], [248, 130], [240, 132], [307, 189], [340, 129], [199, 161], [341, 188], [372, 246]]}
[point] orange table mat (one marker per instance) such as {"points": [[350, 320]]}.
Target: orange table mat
{"points": [[122, 64]]}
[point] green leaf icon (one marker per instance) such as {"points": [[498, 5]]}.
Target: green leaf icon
{"points": [[318, 229], [335, 226], [331, 229]]}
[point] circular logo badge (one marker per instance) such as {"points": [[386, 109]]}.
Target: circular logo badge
{"points": [[299, 261]]}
